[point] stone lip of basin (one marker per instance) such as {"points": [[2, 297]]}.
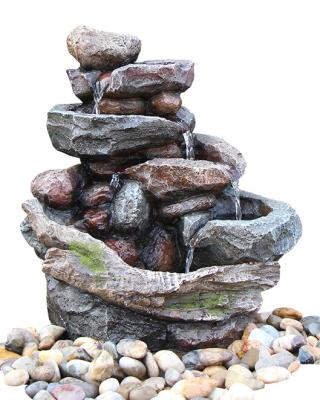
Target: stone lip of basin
{"points": [[270, 228], [211, 294], [80, 134]]}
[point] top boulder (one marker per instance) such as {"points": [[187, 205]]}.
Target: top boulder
{"points": [[101, 50]]}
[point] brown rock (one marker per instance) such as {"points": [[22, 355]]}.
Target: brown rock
{"points": [[104, 170], [215, 149], [169, 178], [287, 312], [218, 374], [56, 188], [191, 204], [96, 220], [165, 103], [4, 354], [151, 77], [96, 194], [160, 252], [96, 49], [122, 106], [142, 393], [167, 151], [197, 387], [126, 249]]}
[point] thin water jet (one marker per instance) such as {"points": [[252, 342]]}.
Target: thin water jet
{"points": [[236, 200], [115, 182], [189, 258], [188, 139]]}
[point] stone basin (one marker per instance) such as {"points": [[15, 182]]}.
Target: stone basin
{"points": [[215, 301], [74, 130]]}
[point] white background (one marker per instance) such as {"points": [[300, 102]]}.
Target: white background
{"points": [[257, 85]]}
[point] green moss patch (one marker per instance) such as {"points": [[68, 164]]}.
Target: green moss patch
{"points": [[89, 254]]}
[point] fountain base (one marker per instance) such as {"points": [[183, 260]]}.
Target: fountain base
{"points": [[83, 314]]}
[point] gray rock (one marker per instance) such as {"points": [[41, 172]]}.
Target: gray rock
{"points": [[266, 238], [189, 224], [35, 387], [131, 209], [99, 136], [96, 49], [82, 82], [282, 359], [215, 149], [270, 330], [169, 178], [151, 77], [309, 320], [32, 240]]}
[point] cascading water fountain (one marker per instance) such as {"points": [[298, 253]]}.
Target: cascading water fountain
{"points": [[121, 255]]}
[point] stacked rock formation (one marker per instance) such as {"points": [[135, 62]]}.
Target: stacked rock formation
{"points": [[149, 236]]}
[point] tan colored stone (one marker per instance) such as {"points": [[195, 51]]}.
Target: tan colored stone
{"points": [[217, 373], [48, 355], [272, 374], [291, 322], [101, 367], [4, 354], [294, 366], [287, 312], [195, 387], [16, 377], [29, 349]]}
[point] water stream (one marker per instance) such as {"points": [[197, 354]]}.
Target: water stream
{"points": [[115, 182], [98, 87], [189, 258], [236, 200], [188, 139]]}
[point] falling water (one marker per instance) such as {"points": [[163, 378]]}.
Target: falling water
{"points": [[188, 139], [189, 258], [236, 200], [115, 182], [98, 88]]}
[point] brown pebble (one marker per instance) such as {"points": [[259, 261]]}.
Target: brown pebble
{"points": [[287, 312]]}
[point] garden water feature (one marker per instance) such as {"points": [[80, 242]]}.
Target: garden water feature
{"points": [[175, 255]]}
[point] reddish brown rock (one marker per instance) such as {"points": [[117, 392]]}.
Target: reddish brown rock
{"points": [[160, 252], [96, 195], [96, 220], [195, 203], [217, 150], [122, 107], [104, 170], [165, 103], [151, 77], [167, 151], [57, 188], [126, 249], [176, 177]]}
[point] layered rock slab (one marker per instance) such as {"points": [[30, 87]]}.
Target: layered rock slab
{"points": [[93, 136], [83, 314], [176, 177]]}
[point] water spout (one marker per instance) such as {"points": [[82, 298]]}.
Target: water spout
{"points": [[188, 139], [115, 182], [236, 200], [189, 258]]}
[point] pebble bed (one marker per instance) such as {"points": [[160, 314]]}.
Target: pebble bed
{"points": [[271, 349]]}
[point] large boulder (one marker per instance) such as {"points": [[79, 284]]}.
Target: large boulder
{"points": [[91, 136], [177, 177], [101, 50], [131, 209], [264, 238]]}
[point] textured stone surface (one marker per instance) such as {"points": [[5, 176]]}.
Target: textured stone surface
{"points": [[32, 240], [57, 187], [194, 203], [161, 251], [96, 49], [189, 224], [81, 82], [215, 149], [126, 249], [174, 177], [151, 77], [96, 195], [96, 136], [122, 106], [131, 209], [165, 103], [261, 239]]}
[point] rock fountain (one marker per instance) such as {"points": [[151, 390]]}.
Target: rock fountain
{"points": [[149, 236]]}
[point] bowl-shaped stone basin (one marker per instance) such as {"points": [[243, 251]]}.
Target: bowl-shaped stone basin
{"points": [[211, 294], [74, 130], [268, 229]]}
